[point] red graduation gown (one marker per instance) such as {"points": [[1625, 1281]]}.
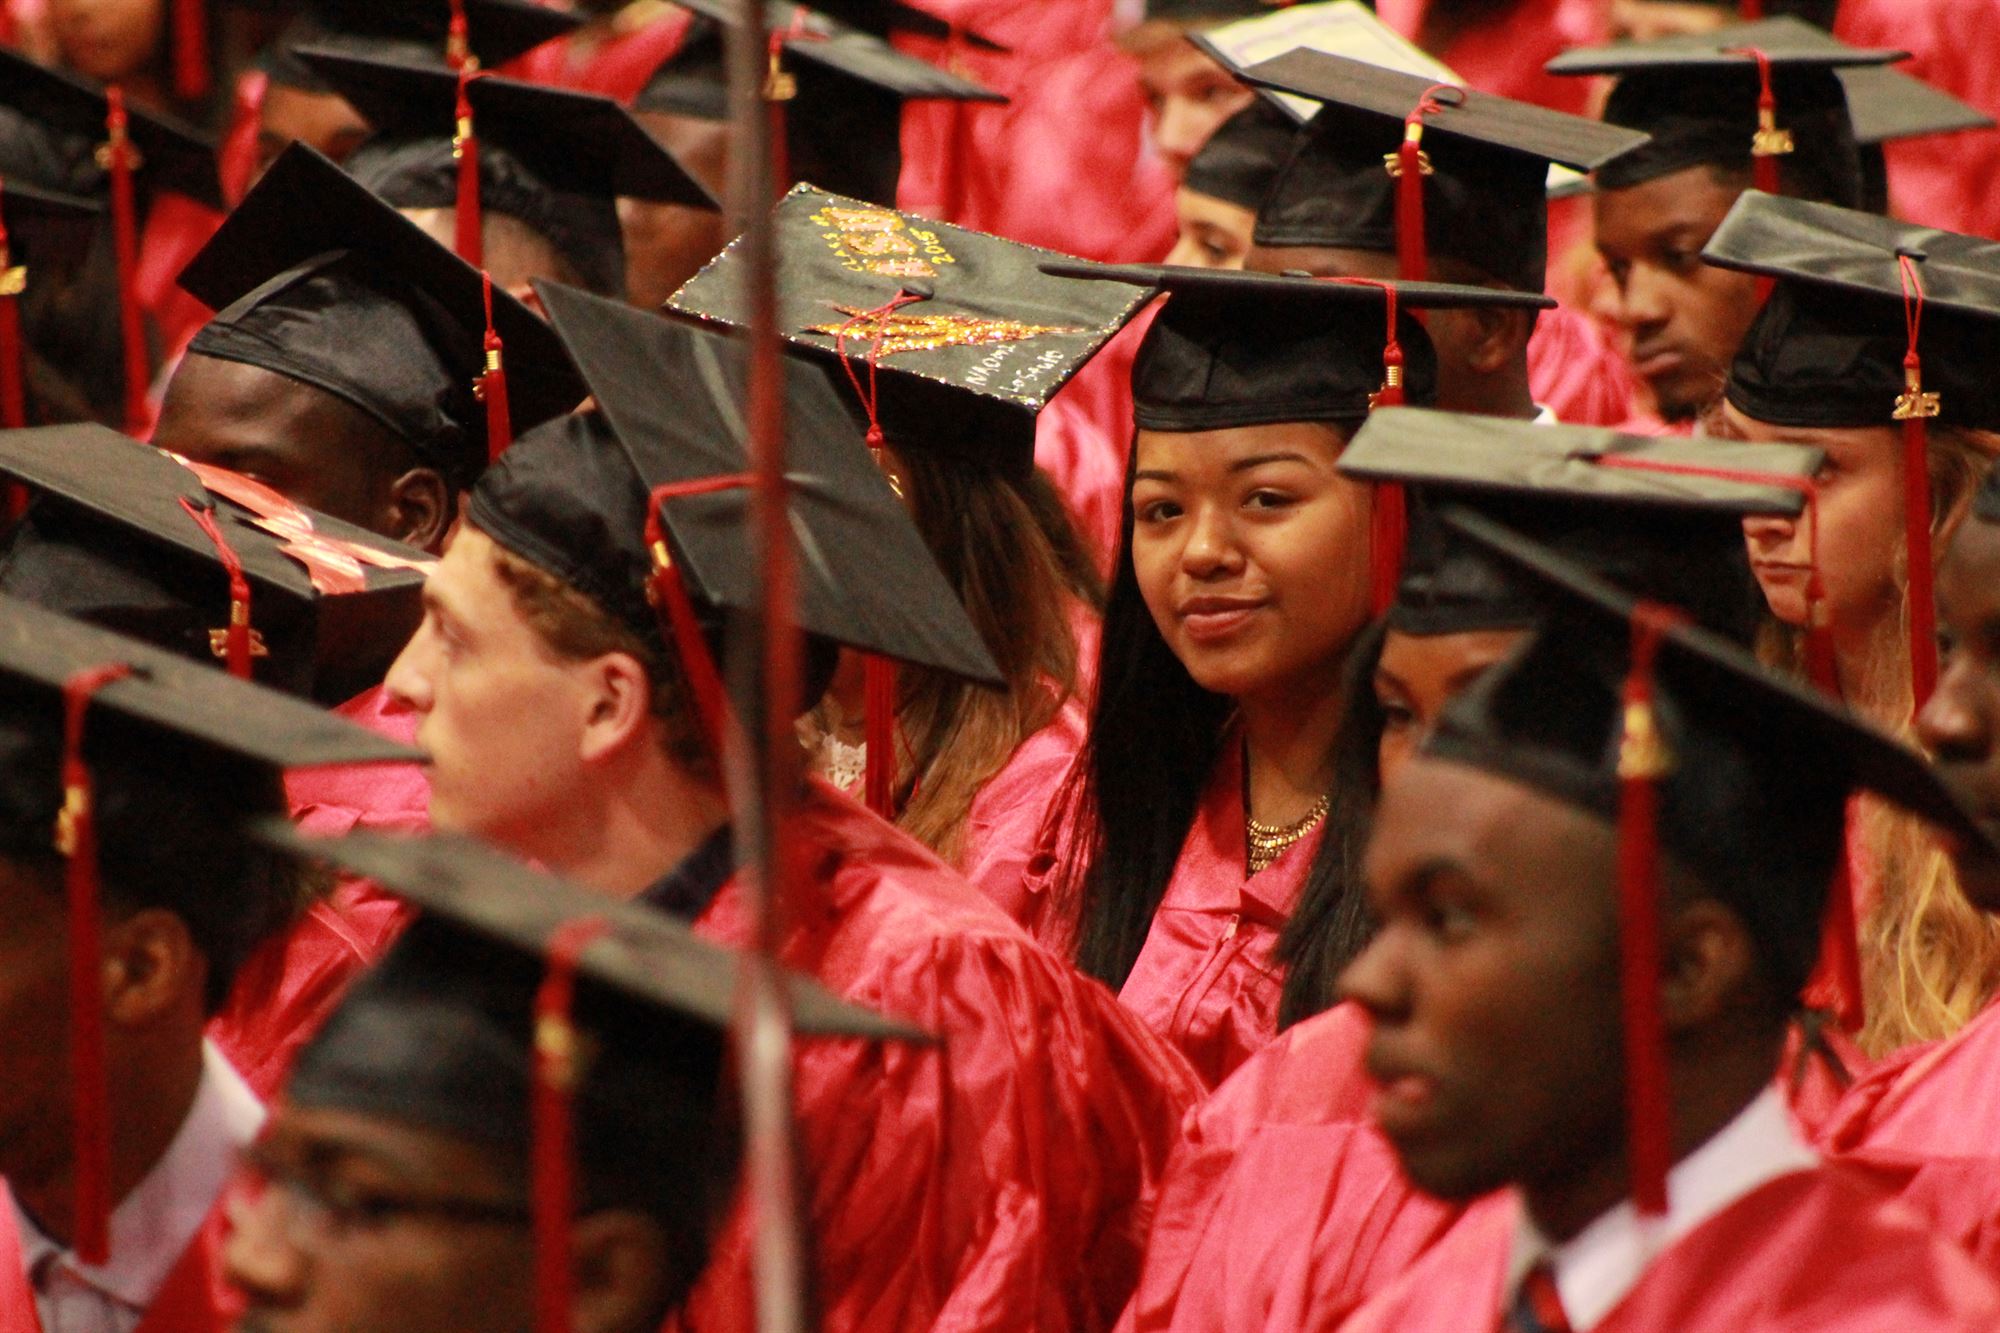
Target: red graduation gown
{"points": [[619, 66], [1001, 1180], [1577, 372], [195, 1298], [1205, 979], [1005, 820], [288, 987], [1821, 1250]]}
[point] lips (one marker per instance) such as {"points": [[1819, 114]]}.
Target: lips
{"points": [[1656, 362], [1405, 1098], [1207, 619]]}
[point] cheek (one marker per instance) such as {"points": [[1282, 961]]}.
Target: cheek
{"points": [[1155, 558], [1318, 562], [422, 1285], [1861, 532]]}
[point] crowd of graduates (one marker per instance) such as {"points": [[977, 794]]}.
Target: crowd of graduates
{"points": [[1381, 710]]}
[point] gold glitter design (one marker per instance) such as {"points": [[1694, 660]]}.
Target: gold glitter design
{"points": [[879, 241], [900, 332]]}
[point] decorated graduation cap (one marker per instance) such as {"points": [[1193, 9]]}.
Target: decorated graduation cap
{"points": [[316, 279], [644, 508], [583, 1038], [203, 561], [34, 224], [1257, 349], [1659, 517], [1686, 745], [495, 32], [1402, 162], [1871, 323], [123, 151], [1241, 159], [1745, 97], [550, 158], [120, 758], [841, 91], [945, 339]]}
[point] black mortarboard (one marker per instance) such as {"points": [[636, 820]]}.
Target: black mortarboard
{"points": [[843, 126], [1484, 202], [963, 370], [172, 156], [1248, 349], [1241, 159], [515, 988], [1347, 28], [1699, 97], [671, 395], [1206, 11], [41, 222], [551, 158], [1885, 105], [320, 281], [117, 538], [1658, 517], [497, 31]]}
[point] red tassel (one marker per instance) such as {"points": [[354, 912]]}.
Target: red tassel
{"points": [[1750, 10], [1914, 408], [678, 622], [233, 644], [1642, 761], [13, 378], [458, 41], [467, 239], [1769, 142], [192, 77], [493, 384], [1388, 520], [1409, 164], [556, 1077], [118, 157], [1836, 982], [76, 839], [878, 688]]}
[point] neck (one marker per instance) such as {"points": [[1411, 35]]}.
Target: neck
{"points": [[149, 1104], [639, 831], [1288, 738], [1712, 1083]]}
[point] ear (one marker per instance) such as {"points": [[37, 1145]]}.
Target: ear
{"points": [[421, 503], [151, 967], [619, 707], [1499, 337], [1707, 960], [622, 1272]]}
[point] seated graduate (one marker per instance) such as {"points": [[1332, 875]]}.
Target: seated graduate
{"points": [[1876, 345], [950, 344], [1205, 794], [1343, 204], [1283, 1207], [411, 1178], [1581, 985], [1189, 91], [133, 894], [342, 365], [1216, 205], [1006, 1185]]}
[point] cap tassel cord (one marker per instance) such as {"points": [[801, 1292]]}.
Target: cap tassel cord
{"points": [[1388, 512], [1835, 985], [13, 371], [458, 41], [558, 1070], [467, 238], [192, 78], [1915, 408], [878, 673], [1769, 142], [76, 839], [1642, 761], [118, 157], [492, 387], [1409, 164], [236, 646], [678, 622]]}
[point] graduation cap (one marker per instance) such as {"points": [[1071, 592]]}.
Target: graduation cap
{"points": [[1658, 517], [1742, 98], [882, 18], [1685, 743], [206, 562], [497, 31], [951, 340], [1241, 159], [1199, 12], [653, 524], [583, 1037], [134, 150], [1871, 323], [33, 223], [842, 92], [115, 751], [1256, 349], [553, 159], [318, 280], [1341, 28], [1403, 162]]}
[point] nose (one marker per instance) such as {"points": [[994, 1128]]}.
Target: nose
{"points": [[1642, 299], [1179, 130], [1954, 725], [1767, 532], [258, 1258], [1377, 980], [1211, 550], [409, 678]]}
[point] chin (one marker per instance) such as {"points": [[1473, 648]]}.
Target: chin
{"points": [[1786, 600], [1450, 1170]]}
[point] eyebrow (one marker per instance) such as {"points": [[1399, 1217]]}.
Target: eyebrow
{"points": [[1240, 465]]}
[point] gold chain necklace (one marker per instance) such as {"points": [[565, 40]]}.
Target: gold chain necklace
{"points": [[1268, 841]]}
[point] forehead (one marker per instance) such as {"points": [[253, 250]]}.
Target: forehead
{"points": [[330, 1137], [1195, 452], [1691, 198]]}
